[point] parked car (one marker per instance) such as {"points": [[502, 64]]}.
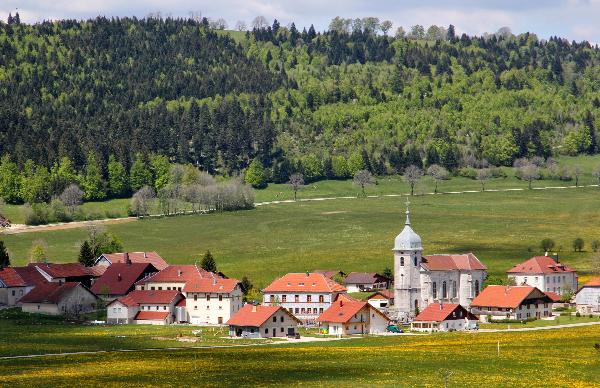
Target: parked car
{"points": [[394, 329]]}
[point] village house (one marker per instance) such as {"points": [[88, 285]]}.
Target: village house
{"points": [[511, 302], [70, 299], [107, 259], [210, 298], [587, 299], [422, 280], [383, 299], [545, 273], [68, 272], [253, 321], [365, 281], [150, 307], [306, 295], [444, 317], [12, 287], [120, 278], [348, 316]]}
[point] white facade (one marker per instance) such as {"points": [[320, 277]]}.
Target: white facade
{"points": [[119, 313], [587, 300], [10, 296], [213, 308], [305, 306], [280, 324], [559, 283], [77, 300], [446, 325], [366, 321]]}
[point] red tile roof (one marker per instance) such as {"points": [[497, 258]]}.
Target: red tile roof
{"points": [[304, 282], [365, 278], [30, 275], [49, 292], [382, 294], [178, 274], [554, 296], [255, 316], [341, 311], [11, 278], [328, 272], [119, 278], [138, 257], [181, 303], [504, 296], [151, 315], [65, 270], [138, 297], [449, 262], [436, 313], [595, 282], [213, 284], [540, 264]]}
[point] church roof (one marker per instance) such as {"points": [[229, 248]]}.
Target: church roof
{"points": [[449, 262], [408, 240]]}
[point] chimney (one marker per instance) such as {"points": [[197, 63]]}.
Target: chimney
{"points": [[127, 260], [555, 257], [119, 277], [307, 274], [179, 272], [145, 255], [546, 253], [253, 308]]}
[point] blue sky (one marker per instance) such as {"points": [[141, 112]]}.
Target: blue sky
{"points": [[572, 19]]}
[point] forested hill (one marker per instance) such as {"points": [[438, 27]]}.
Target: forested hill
{"points": [[321, 103]]}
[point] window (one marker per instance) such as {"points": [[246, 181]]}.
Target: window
{"points": [[274, 319], [220, 307], [195, 297], [160, 288], [434, 290], [415, 261], [416, 304], [281, 318], [454, 290], [402, 261], [296, 298], [114, 309], [267, 330], [281, 330], [303, 311], [13, 293], [297, 310], [165, 308], [208, 297], [208, 307], [220, 297], [272, 298], [476, 287], [321, 298], [284, 298], [195, 307], [309, 310], [178, 288], [444, 291], [309, 298], [156, 308], [152, 288]]}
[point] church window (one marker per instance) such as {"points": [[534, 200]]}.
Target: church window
{"points": [[416, 304], [415, 261], [434, 289], [402, 261], [444, 291], [476, 287], [454, 293]]}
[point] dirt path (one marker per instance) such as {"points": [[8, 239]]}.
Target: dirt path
{"points": [[19, 228]]}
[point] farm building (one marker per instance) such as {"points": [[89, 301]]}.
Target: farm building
{"points": [[381, 299], [120, 278], [263, 322], [67, 272], [545, 273], [144, 307], [348, 316], [306, 295], [12, 286], [444, 317], [366, 281], [512, 302], [68, 298], [107, 259], [587, 298]]}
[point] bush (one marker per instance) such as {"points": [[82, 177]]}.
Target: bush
{"points": [[36, 214], [467, 172], [578, 314]]}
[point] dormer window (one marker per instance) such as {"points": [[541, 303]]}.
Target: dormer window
{"points": [[301, 284]]}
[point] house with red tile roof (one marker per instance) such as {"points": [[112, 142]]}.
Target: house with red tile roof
{"points": [[12, 286], [512, 302], [306, 295], [347, 317], [253, 321], [68, 272], [587, 299], [152, 307], [120, 278], [210, 298], [546, 273], [107, 259], [366, 281], [444, 317], [70, 299], [382, 299]]}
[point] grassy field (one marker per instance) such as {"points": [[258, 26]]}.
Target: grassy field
{"points": [[560, 320], [564, 357], [501, 228]]}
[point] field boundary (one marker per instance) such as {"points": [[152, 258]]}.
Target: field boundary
{"points": [[19, 228]]}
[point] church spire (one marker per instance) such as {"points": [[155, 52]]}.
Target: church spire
{"points": [[407, 212]]}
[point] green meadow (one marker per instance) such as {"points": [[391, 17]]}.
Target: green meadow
{"points": [[356, 234]]}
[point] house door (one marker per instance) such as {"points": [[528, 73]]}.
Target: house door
{"points": [[274, 332], [290, 331], [220, 320], [238, 332]]}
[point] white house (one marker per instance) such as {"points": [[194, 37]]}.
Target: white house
{"points": [[12, 286], [587, 298], [512, 302], [383, 299], [69, 299], [545, 273], [347, 316], [263, 322], [210, 298], [444, 317], [365, 281], [306, 295], [421, 280], [144, 307]]}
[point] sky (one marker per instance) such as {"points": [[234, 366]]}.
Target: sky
{"points": [[571, 19]]}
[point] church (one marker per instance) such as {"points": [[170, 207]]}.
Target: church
{"points": [[441, 278]]}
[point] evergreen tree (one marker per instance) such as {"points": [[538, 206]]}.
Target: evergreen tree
{"points": [[117, 178], [86, 255], [4, 257], [208, 262], [91, 182]]}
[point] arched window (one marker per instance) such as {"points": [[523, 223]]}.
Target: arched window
{"points": [[402, 261], [434, 289], [454, 293], [415, 261], [416, 304], [476, 287], [444, 291]]}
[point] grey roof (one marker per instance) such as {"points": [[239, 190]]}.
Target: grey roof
{"points": [[364, 278], [408, 240]]}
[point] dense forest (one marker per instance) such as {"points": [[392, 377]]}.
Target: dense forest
{"points": [[89, 101]]}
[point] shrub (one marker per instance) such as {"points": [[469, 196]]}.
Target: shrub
{"points": [[467, 172], [578, 244], [595, 245], [578, 314]]}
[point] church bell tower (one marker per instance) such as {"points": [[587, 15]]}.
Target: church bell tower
{"points": [[407, 264]]}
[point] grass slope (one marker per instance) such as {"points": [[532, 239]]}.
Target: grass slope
{"points": [[567, 357], [501, 228]]}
